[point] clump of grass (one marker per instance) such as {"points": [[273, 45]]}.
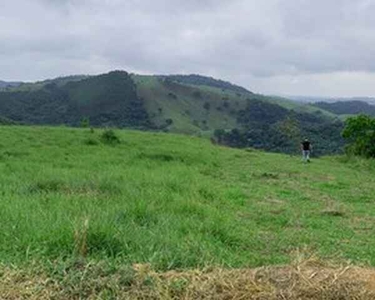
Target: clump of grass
{"points": [[46, 186], [91, 141], [268, 175], [333, 213], [334, 209], [163, 157], [80, 238], [110, 137]]}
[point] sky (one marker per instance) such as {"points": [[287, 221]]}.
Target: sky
{"points": [[283, 47]]}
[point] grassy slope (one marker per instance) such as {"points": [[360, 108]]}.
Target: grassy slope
{"points": [[175, 202], [187, 111], [299, 107]]}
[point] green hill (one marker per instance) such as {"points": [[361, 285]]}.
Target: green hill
{"points": [[71, 202], [242, 119], [197, 104], [107, 100], [190, 104]]}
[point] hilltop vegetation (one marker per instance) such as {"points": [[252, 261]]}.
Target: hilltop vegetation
{"points": [[360, 132], [190, 104], [106, 100], [270, 127], [199, 80]]}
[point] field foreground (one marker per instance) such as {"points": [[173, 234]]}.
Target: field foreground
{"points": [[308, 279], [81, 215]]}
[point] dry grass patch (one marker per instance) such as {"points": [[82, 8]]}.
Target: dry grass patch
{"points": [[309, 279]]}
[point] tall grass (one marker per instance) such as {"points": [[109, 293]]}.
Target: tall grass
{"points": [[174, 202]]}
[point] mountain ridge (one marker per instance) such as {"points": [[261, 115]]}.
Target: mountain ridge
{"points": [[351, 107], [7, 84], [314, 99]]}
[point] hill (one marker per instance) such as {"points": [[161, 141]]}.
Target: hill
{"points": [[190, 104], [347, 107], [79, 216], [240, 119], [107, 100], [4, 84]]}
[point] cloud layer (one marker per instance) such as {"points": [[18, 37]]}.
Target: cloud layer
{"points": [[272, 46]]}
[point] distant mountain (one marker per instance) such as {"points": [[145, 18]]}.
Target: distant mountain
{"points": [[347, 107], [4, 84], [308, 99], [190, 104]]}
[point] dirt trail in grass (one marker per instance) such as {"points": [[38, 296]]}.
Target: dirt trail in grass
{"points": [[306, 280]]}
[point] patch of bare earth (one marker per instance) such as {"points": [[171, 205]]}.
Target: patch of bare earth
{"points": [[306, 280]]}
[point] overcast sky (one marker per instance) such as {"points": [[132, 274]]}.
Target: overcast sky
{"points": [[286, 47]]}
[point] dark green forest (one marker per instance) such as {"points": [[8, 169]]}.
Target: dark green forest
{"points": [[271, 127], [106, 100]]}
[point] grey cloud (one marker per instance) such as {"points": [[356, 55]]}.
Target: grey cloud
{"points": [[252, 42]]}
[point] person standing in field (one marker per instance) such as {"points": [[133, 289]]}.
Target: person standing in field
{"points": [[306, 150]]}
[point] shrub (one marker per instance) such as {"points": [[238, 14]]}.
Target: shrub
{"points": [[171, 95], [359, 131], [85, 122], [197, 94], [110, 137]]}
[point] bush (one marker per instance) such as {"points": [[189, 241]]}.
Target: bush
{"points": [[359, 131], [110, 137]]}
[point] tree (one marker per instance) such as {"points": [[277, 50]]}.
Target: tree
{"points": [[219, 134], [169, 122], [206, 106], [359, 131], [291, 129]]}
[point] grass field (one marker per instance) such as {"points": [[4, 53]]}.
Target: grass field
{"points": [[174, 202]]}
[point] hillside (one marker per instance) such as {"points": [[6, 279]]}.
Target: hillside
{"points": [[347, 107], [240, 119], [190, 104], [77, 215], [106, 100]]}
